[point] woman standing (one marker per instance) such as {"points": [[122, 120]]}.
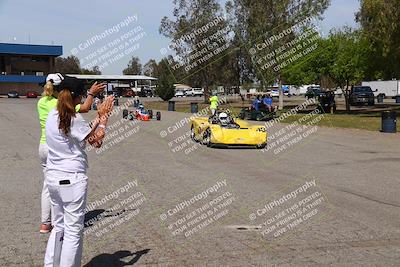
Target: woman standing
{"points": [[65, 174], [44, 106]]}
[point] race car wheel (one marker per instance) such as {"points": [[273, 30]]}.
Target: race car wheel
{"points": [[241, 115], [261, 146], [193, 134], [207, 137], [158, 115], [125, 113], [151, 113], [130, 117]]}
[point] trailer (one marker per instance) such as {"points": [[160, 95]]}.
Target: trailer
{"points": [[387, 88]]}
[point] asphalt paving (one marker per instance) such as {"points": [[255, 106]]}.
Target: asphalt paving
{"points": [[315, 196]]}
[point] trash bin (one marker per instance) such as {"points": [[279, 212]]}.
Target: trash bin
{"points": [[194, 107], [389, 122], [397, 97], [116, 102], [171, 105], [380, 98]]}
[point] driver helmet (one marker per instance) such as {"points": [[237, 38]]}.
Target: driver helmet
{"points": [[141, 106], [223, 118]]}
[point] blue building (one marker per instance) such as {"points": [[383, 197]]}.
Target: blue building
{"points": [[24, 67]]}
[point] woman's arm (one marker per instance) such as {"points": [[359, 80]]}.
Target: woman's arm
{"points": [[96, 136], [94, 90]]}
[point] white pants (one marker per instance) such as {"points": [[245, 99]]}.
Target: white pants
{"points": [[45, 200], [213, 110], [64, 248]]}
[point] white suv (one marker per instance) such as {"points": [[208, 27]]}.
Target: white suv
{"points": [[179, 94], [195, 92]]}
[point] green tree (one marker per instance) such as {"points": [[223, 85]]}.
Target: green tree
{"points": [[150, 68], [165, 88], [380, 24], [342, 59], [70, 65], [193, 22], [134, 67], [351, 60], [312, 68], [94, 71], [262, 19], [245, 69]]}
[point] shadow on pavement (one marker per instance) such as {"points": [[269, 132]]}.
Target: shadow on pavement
{"points": [[92, 216], [115, 260]]}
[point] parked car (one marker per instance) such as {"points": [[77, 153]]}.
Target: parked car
{"points": [[32, 94], [313, 92], [179, 93], [195, 92], [274, 93], [360, 95], [13, 94]]}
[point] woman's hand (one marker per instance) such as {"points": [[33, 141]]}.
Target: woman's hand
{"points": [[94, 90], [97, 88], [95, 138], [106, 107]]}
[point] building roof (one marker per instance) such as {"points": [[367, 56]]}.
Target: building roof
{"points": [[42, 79], [113, 77], [28, 49]]}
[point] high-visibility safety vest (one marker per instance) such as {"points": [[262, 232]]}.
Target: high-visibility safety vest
{"points": [[214, 102], [44, 106]]}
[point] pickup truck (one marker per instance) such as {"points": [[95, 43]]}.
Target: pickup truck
{"points": [[362, 95]]}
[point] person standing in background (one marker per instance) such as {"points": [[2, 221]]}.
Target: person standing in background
{"points": [[213, 103], [136, 101], [44, 106]]}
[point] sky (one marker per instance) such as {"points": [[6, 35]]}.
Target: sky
{"points": [[73, 24]]}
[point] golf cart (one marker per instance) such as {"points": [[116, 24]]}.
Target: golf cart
{"points": [[262, 114], [327, 103]]}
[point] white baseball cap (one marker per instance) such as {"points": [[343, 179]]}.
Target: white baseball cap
{"points": [[55, 78]]}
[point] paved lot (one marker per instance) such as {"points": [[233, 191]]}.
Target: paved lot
{"points": [[139, 181]]}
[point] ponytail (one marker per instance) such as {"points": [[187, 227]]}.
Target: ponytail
{"points": [[66, 110], [48, 89]]}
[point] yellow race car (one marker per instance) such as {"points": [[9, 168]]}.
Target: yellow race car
{"points": [[223, 130]]}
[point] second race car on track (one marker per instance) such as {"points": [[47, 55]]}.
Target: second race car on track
{"points": [[223, 130], [140, 113]]}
